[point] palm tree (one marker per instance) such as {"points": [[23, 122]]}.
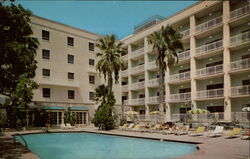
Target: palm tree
{"points": [[110, 63], [166, 43]]}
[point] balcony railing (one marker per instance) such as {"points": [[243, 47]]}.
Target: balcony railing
{"points": [[240, 90], [137, 52], [209, 47], [125, 102], [209, 71], [151, 65], [180, 97], [208, 25], [240, 12], [124, 73], [240, 64], [138, 101], [137, 69], [124, 88], [213, 93], [179, 76], [153, 82], [185, 33], [125, 57], [241, 116], [153, 100], [240, 38], [184, 55], [210, 117], [138, 85]]}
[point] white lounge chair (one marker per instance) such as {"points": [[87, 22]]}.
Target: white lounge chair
{"points": [[182, 131], [218, 131], [63, 126], [68, 126]]}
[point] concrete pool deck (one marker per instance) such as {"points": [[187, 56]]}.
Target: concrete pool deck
{"points": [[209, 148]]}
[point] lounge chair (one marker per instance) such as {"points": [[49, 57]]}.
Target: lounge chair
{"points": [[62, 126], [182, 131], [199, 131], [130, 126], [217, 132], [156, 128], [123, 126], [136, 128], [234, 133], [245, 134], [68, 126]]}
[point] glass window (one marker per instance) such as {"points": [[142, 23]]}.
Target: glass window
{"points": [[45, 35], [46, 92], [46, 54], [92, 62], [92, 79], [46, 72], [71, 94], [91, 46], [71, 59], [70, 41], [70, 75], [91, 95]]}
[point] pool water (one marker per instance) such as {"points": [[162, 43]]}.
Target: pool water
{"points": [[98, 146]]}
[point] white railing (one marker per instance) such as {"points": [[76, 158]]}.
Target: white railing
{"points": [[153, 82], [240, 64], [125, 102], [184, 55], [152, 65], [124, 88], [213, 93], [179, 76], [210, 117], [153, 100], [240, 38], [124, 73], [125, 57], [240, 12], [240, 90], [138, 101], [209, 70], [137, 52], [209, 47], [208, 25], [241, 116], [185, 33], [137, 69], [180, 97], [138, 85]]}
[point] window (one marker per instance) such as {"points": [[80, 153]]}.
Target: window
{"points": [[91, 46], [46, 92], [71, 94], [70, 41], [92, 79], [46, 54], [91, 62], [70, 75], [71, 59], [45, 35], [91, 95], [46, 72]]}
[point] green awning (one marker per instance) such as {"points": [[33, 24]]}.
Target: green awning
{"points": [[25, 107], [78, 108], [52, 108]]}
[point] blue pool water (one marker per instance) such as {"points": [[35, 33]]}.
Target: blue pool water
{"points": [[97, 146]]}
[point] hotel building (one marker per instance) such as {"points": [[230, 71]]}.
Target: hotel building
{"points": [[213, 71]]}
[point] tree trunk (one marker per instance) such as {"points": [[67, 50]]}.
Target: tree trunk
{"points": [[110, 82], [161, 87]]}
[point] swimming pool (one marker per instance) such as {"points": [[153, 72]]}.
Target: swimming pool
{"points": [[99, 146]]}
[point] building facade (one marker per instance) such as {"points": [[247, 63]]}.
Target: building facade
{"points": [[213, 71]]}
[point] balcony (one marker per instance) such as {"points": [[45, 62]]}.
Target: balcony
{"points": [[138, 101], [208, 71], [184, 55], [179, 77], [185, 33], [138, 85], [124, 57], [152, 65], [124, 88], [153, 83], [180, 97], [211, 117], [208, 25], [240, 91], [240, 65], [240, 12], [137, 69], [209, 48], [125, 102], [137, 53], [153, 100], [124, 73], [240, 38], [210, 94]]}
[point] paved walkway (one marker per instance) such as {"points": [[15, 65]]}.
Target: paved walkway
{"points": [[209, 148]]}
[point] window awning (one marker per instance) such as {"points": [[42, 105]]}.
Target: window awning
{"points": [[78, 108], [52, 108], [26, 107]]}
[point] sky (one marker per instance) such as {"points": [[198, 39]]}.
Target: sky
{"points": [[103, 17]]}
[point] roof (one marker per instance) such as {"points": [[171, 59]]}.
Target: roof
{"points": [[78, 108]]}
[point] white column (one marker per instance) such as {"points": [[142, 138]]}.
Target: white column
{"points": [[146, 75], [167, 95], [129, 77]]}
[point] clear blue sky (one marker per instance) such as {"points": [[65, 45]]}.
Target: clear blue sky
{"points": [[104, 17]]}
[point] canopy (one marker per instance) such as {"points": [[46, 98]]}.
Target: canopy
{"points": [[155, 112], [52, 108], [246, 109], [131, 112], [26, 107], [78, 108], [198, 111]]}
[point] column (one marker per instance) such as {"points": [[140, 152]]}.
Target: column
{"points": [[226, 61], [167, 96], [146, 75], [129, 77]]}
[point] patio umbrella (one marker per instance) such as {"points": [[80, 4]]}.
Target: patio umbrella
{"points": [[198, 111], [246, 109], [131, 112], [155, 112]]}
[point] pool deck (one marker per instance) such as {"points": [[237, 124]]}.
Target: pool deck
{"points": [[209, 148]]}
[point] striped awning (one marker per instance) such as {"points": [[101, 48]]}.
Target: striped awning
{"points": [[78, 108], [52, 108]]}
